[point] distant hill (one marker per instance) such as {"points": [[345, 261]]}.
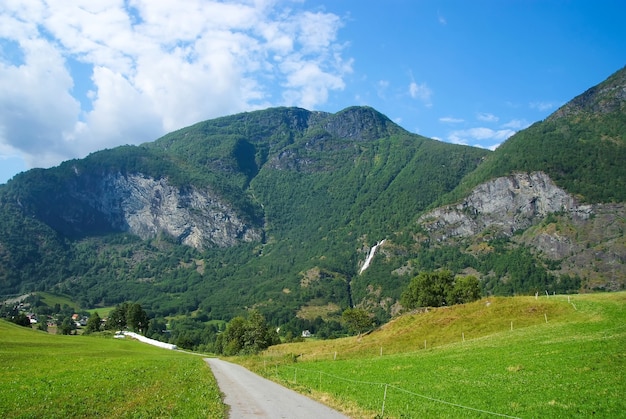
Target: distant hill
{"points": [[277, 209]]}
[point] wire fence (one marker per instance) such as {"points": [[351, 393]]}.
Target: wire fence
{"points": [[388, 399]]}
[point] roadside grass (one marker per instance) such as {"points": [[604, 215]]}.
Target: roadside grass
{"points": [[51, 376], [573, 365]]}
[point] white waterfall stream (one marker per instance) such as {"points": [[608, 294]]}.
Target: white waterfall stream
{"points": [[370, 256]]}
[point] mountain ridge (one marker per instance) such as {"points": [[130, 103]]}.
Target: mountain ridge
{"points": [[277, 209]]}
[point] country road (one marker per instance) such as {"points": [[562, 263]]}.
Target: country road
{"points": [[252, 396]]}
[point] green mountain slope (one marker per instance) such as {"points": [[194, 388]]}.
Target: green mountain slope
{"points": [[582, 146], [277, 210], [321, 186]]}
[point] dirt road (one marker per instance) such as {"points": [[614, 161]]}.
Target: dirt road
{"points": [[252, 396]]}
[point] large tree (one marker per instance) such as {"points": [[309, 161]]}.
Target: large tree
{"points": [[357, 320], [129, 315], [428, 289], [441, 288], [246, 336]]}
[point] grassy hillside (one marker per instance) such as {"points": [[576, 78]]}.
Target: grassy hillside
{"points": [[52, 376], [494, 356]]}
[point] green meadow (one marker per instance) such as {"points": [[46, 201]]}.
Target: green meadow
{"points": [[498, 357], [54, 376]]}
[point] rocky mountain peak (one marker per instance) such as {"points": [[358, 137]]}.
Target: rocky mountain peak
{"points": [[360, 123], [607, 97]]}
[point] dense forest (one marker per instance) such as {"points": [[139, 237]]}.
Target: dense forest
{"points": [[323, 189]]}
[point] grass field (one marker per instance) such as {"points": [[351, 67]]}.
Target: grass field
{"points": [[515, 357], [47, 376], [52, 299], [499, 357]]}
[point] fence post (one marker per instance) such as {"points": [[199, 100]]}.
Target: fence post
{"points": [[382, 413]]}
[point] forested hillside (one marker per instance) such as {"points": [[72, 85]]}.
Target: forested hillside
{"points": [[582, 147], [323, 188], [277, 210]]}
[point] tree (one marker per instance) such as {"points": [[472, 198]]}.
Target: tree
{"points": [[357, 320], [137, 318], [466, 289], [436, 289], [246, 336], [21, 319], [156, 328], [93, 324], [128, 315], [67, 326], [117, 317], [428, 289]]}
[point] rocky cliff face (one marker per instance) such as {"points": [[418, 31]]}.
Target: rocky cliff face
{"points": [[147, 207], [503, 205], [584, 240]]}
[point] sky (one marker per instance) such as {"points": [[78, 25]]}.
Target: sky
{"points": [[81, 76]]}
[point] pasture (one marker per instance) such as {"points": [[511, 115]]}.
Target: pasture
{"points": [[54, 376], [498, 357]]}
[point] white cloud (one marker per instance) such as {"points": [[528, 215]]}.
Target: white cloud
{"points": [[516, 124], [479, 134], [542, 106], [451, 120], [486, 117], [420, 91], [156, 66]]}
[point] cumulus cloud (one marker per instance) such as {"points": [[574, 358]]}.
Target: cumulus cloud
{"points": [[153, 67], [479, 136]]}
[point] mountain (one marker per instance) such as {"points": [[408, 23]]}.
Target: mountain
{"points": [[556, 189], [581, 146], [278, 210]]}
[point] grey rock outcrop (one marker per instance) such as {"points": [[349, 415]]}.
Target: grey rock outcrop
{"points": [[504, 205], [147, 207]]}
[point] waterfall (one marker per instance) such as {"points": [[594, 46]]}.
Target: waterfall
{"points": [[370, 256]]}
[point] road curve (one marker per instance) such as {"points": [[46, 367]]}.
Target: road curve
{"points": [[252, 396]]}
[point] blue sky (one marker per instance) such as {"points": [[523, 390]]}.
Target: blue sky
{"points": [[81, 76]]}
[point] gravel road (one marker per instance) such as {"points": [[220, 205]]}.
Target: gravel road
{"points": [[252, 396]]}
